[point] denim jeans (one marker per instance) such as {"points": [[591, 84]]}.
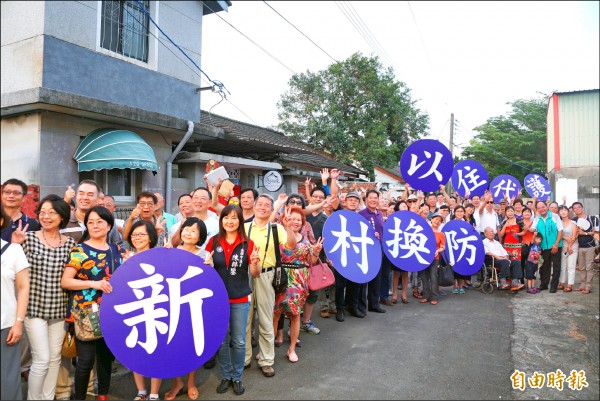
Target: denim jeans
{"points": [[231, 359]]}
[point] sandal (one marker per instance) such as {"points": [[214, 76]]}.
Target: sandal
{"points": [[278, 343], [433, 302], [586, 291], [404, 300], [423, 300], [568, 288], [394, 300], [561, 286], [171, 394], [579, 289], [193, 393]]}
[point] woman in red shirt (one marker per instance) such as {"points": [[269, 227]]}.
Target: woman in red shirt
{"points": [[232, 254], [429, 275]]}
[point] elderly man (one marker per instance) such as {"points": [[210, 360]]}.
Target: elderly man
{"points": [[488, 217], [146, 201], [508, 268]]}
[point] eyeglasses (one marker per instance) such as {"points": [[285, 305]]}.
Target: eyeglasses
{"points": [[189, 230], [232, 202], [295, 202], [14, 193], [139, 235], [489, 203], [97, 223], [411, 201], [52, 215], [318, 196], [149, 204]]}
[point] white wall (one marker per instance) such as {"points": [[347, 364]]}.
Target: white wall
{"points": [[20, 150]]}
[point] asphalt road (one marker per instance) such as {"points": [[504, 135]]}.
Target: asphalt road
{"points": [[466, 347]]}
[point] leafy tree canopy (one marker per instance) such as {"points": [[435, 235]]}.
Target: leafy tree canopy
{"points": [[354, 111], [513, 144]]}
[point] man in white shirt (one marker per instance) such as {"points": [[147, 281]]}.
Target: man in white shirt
{"points": [[201, 199], [487, 216], [508, 268]]}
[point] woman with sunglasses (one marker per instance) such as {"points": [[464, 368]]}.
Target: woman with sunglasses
{"points": [[143, 236]]}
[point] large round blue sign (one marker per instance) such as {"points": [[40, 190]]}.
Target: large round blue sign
{"points": [[470, 177], [350, 243], [425, 164], [408, 241], [505, 185], [167, 314], [537, 186], [464, 248]]}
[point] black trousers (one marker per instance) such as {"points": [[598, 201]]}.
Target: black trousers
{"points": [[550, 265], [89, 352]]}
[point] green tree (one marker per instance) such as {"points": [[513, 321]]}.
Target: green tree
{"points": [[514, 144], [354, 111]]}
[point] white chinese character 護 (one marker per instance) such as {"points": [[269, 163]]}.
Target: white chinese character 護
{"points": [[537, 188], [343, 244], [150, 313], [412, 240]]}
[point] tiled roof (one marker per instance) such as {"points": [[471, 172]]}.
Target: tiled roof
{"points": [[251, 141]]}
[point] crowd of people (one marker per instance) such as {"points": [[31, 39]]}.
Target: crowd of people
{"points": [[57, 265]]}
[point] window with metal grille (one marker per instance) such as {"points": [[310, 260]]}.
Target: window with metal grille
{"points": [[125, 28]]}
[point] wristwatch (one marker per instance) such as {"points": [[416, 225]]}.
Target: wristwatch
{"points": [[20, 319]]}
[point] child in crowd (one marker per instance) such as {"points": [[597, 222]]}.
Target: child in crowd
{"points": [[532, 263]]}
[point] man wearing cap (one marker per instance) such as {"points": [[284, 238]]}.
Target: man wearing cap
{"points": [[412, 204], [369, 292], [346, 291]]}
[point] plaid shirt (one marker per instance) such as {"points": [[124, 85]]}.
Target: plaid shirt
{"points": [[47, 300]]}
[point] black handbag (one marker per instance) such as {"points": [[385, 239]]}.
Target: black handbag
{"points": [[445, 275], [280, 277]]}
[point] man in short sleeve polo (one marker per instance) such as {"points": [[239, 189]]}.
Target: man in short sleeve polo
{"points": [[550, 226]]}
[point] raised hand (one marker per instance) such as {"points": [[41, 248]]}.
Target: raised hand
{"points": [[334, 174], [325, 175], [69, 194], [318, 246], [307, 182], [255, 256], [18, 236], [209, 259], [135, 213], [160, 226]]}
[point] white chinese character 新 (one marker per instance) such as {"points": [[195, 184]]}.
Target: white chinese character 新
{"points": [[412, 240], [537, 188], [463, 243], [150, 314], [432, 170], [343, 244], [510, 187], [472, 177]]}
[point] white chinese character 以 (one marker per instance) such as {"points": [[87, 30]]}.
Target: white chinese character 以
{"points": [[412, 240], [343, 244], [150, 314], [414, 166]]}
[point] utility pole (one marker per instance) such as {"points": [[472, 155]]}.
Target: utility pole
{"points": [[449, 184]]}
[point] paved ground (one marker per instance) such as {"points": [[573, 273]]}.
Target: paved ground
{"points": [[466, 347]]}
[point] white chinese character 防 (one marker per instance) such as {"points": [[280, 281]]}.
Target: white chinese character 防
{"points": [[343, 244], [463, 244], [432, 170], [412, 240], [150, 313]]}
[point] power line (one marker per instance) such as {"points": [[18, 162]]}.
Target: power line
{"points": [[252, 41], [420, 36], [380, 46], [303, 34], [359, 29], [218, 84]]}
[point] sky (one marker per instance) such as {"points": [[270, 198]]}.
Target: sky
{"points": [[466, 58]]}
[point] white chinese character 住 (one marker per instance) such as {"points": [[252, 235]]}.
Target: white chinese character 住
{"points": [[470, 181]]}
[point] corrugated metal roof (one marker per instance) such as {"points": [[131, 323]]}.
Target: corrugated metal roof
{"points": [[576, 91]]}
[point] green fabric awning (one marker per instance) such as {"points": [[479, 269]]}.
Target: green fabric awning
{"points": [[108, 148]]}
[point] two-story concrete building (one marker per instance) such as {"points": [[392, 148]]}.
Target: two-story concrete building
{"points": [[95, 89]]}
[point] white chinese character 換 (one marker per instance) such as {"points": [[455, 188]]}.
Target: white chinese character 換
{"points": [[412, 240]]}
